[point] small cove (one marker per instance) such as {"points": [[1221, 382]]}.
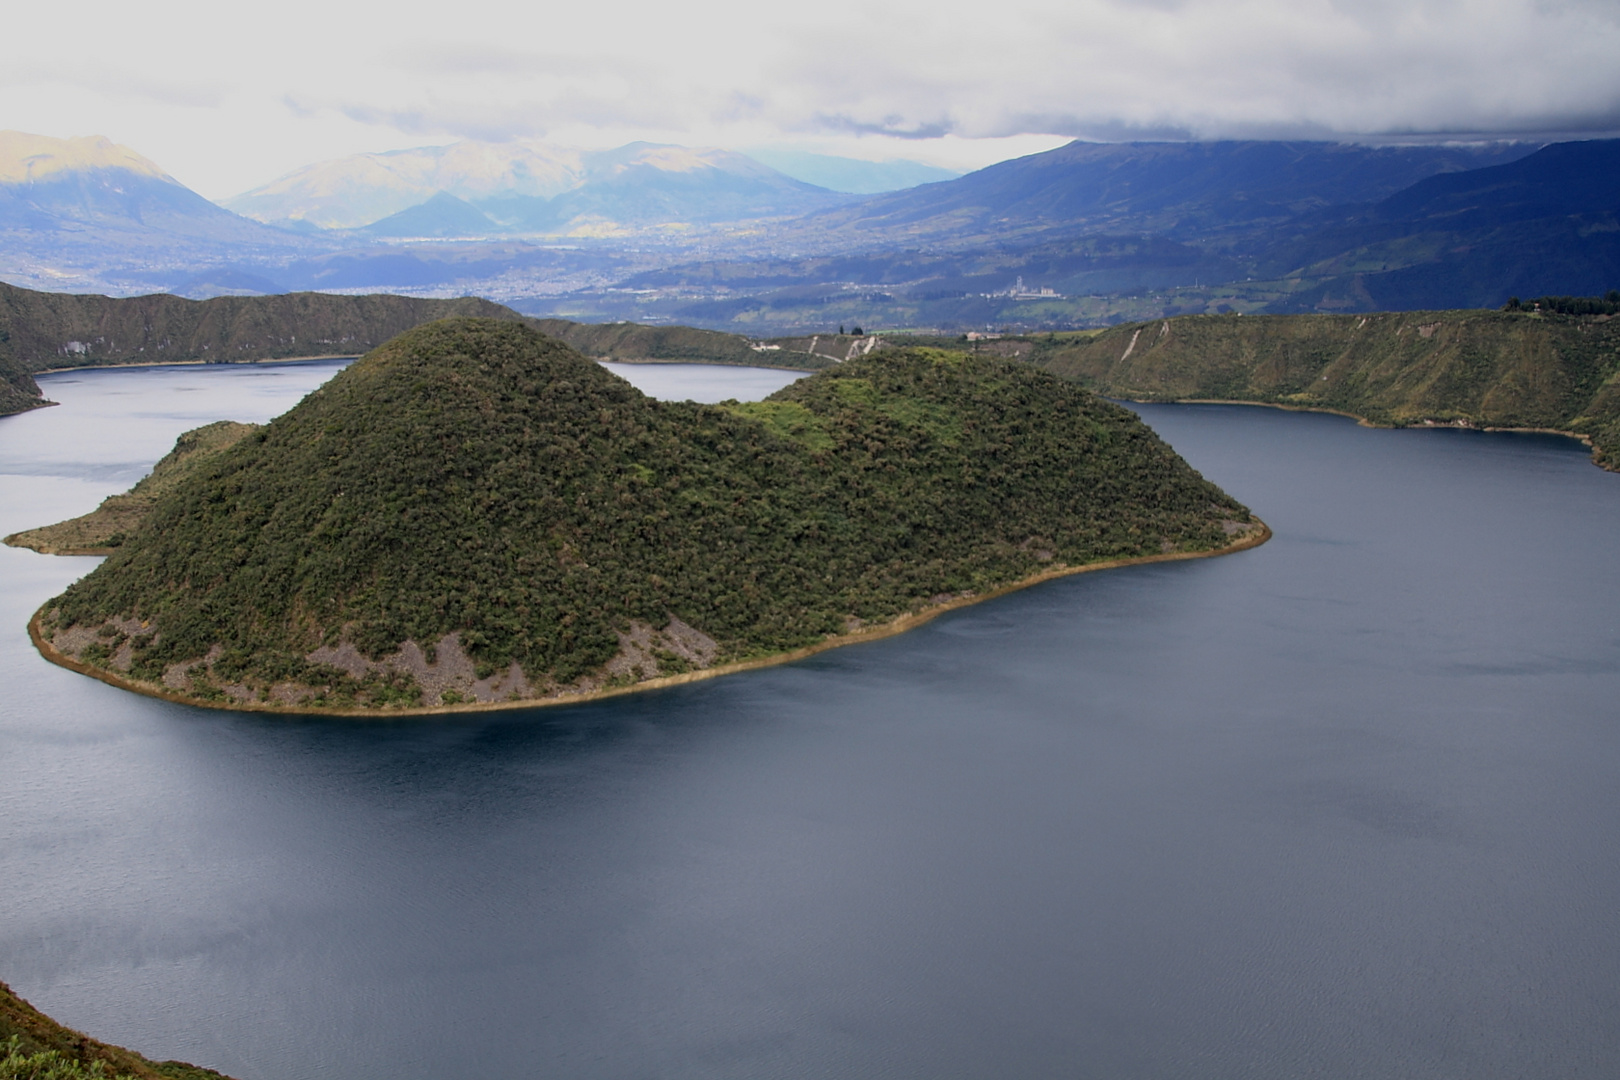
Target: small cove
{"points": [[1341, 806]]}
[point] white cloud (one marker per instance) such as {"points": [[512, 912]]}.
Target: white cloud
{"points": [[227, 97]]}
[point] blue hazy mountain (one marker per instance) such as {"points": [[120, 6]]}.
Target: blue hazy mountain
{"points": [[444, 215], [1555, 181], [1178, 190], [360, 189], [1545, 224], [1167, 228], [647, 186], [55, 184], [1329, 226], [79, 213], [850, 175], [531, 187]]}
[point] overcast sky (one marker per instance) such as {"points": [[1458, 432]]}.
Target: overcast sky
{"points": [[227, 96]]}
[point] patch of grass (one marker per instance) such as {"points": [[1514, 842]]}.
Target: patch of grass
{"points": [[16, 1064], [786, 419]]}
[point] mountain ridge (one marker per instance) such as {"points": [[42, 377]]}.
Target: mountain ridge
{"points": [[1465, 369], [1175, 189], [532, 186], [48, 331], [1545, 222], [82, 212], [1112, 231]]}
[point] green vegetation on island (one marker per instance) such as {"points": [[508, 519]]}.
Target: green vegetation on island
{"points": [[105, 527], [1482, 369], [35, 1047], [475, 512]]}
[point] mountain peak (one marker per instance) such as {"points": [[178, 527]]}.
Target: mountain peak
{"points": [[26, 158], [666, 157], [443, 215]]}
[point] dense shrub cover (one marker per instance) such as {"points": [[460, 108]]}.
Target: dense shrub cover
{"points": [[473, 476], [1607, 304]]}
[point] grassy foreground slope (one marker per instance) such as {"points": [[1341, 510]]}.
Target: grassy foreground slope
{"points": [[35, 1047], [475, 512], [1468, 368]]}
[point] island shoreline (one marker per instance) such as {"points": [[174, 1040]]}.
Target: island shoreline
{"points": [[1362, 421], [707, 363], [894, 627], [194, 363]]}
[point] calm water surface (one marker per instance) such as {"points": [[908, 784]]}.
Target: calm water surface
{"points": [[1342, 806]]}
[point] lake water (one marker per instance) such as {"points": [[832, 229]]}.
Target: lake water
{"points": [[1346, 805]]}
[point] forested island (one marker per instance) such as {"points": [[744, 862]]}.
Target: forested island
{"points": [[475, 514]]}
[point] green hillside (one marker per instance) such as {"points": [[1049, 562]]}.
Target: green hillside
{"points": [[18, 390], [1465, 368], [105, 527], [42, 331], [475, 512], [35, 1047], [61, 330]]}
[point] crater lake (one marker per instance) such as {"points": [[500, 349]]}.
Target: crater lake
{"points": [[1343, 805]]}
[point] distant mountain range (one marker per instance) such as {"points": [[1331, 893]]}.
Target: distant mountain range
{"points": [[48, 183], [1546, 223], [1128, 231], [85, 213], [851, 175], [531, 188], [1082, 235], [1178, 190], [355, 191]]}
